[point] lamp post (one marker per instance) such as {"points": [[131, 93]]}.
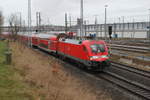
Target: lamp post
{"points": [[66, 23], [123, 26], [96, 25], [119, 28], [81, 20], [105, 21], [70, 19], [149, 25], [29, 21], [85, 27]]}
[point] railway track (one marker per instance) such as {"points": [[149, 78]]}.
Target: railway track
{"points": [[130, 48], [144, 43], [133, 87], [127, 84], [131, 55], [131, 69]]}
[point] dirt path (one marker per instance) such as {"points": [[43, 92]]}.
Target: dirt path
{"points": [[52, 82]]}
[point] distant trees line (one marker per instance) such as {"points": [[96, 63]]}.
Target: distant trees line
{"points": [[14, 24]]}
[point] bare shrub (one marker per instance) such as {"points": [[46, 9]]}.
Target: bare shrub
{"points": [[14, 24]]}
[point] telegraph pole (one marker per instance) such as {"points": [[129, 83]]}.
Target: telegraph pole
{"points": [[29, 21], [105, 21], [133, 28], [20, 20], [123, 27], [119, 19], [40, 20], [96, 25], [66, 23], [37, 19], [24, 25], [149, 26], [85, 27], [81, 20], [114, 28], [70, 20]]}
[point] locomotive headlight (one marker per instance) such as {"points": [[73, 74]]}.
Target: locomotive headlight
{"points": [[104, 56], [94, 57]]}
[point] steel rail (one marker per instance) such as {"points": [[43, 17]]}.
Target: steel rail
{"points": [[131, 69], [130, 86]]}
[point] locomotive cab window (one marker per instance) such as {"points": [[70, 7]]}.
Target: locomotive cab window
{"points": [[97, 48]]}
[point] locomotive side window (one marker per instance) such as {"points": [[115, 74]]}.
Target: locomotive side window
{"points": [[97, 48]]}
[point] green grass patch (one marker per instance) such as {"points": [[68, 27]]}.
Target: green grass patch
{"points": [[2, 51], [12, 86]]}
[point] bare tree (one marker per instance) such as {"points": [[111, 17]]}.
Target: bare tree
{"points": [[14, 24], [1, 21]]}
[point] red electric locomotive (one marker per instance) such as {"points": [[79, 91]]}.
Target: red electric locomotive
{"points": [[93, 54]]}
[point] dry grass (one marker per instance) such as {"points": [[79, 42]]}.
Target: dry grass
{"points": [[51, 80]]}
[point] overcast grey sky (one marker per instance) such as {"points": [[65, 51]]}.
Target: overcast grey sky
{"points": [[53, 10]]}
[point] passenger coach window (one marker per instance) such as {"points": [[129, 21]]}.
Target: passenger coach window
{"points": [[97, 48]]}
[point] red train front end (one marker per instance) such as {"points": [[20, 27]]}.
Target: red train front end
{"points": [[98, 54]]}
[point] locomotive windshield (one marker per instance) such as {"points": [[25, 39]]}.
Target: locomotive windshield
{"points": [[97, 48]]}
